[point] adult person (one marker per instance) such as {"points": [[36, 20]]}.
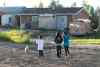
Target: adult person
{"points": [[58, 41]]}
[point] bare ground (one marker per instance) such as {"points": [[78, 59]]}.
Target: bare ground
{"points": [[80, 57]]}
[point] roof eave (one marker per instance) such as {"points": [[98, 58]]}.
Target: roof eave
{"points": [[40, 13], [79, 11]]}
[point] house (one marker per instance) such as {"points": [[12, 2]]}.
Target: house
{"points": [[10, 15], [80, 23], [48, 18]]}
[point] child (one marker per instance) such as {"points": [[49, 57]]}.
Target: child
{"points": [[66, 42], [40, 45]]}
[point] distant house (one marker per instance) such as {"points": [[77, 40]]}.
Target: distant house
{"points": [[48, 18], [10, 15]]}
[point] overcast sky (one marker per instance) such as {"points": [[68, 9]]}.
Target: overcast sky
{"points": [[33, 3]]}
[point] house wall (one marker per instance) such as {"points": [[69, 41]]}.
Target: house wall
{"points": [[53, 22], [62, 22], [83, 14], [80, 28], [5, 19], [25, 19], [33, 19], [47, 22], [8, 19], [69, 19]]}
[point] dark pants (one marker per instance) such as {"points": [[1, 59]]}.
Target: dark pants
{"points": [[58, 48], [41, 53], [67, 51]]}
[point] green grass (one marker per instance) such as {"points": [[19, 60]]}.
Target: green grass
{"points": [[93, 38], [86, 41], [16, 36]]}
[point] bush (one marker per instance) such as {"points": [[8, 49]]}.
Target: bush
{"points": [[17, 36]]}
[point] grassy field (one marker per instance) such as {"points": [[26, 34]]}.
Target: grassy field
{"points": [[93, 38], [86, 41], [89, 39]]}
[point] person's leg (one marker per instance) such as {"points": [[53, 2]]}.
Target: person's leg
{"points": [[65, 51], [60, 51], [42, 54], [57, 49], [68, 51], [39, 52]]}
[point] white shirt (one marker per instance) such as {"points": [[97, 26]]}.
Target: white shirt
{"points": [[40, 44]]}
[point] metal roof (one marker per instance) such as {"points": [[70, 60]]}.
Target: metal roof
{"points": [[23, 10]]}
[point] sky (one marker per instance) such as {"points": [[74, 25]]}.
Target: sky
{"points": [[34, 3]]}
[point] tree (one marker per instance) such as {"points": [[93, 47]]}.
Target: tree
{"points": [[59, 6], [73, 5], [54, 5], [41, 5], [97, 18], [94, 21], [92, 16]]}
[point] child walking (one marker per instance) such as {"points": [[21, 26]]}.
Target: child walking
{"points": [[66, 42], [40, 45]]}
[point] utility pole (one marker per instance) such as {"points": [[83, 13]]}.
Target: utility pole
{"points": [[41, 4], [57, 2], [4, 4]]}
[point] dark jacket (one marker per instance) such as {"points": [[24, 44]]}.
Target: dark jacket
{"points": [[58, 39]]}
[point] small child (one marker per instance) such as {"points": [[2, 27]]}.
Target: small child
{"points": [[40, 45], [26, 49]]}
